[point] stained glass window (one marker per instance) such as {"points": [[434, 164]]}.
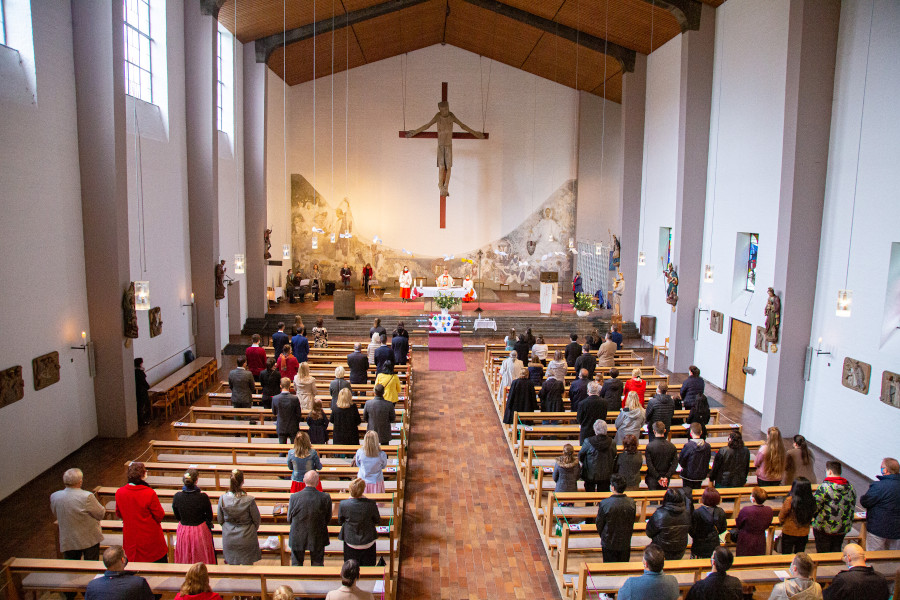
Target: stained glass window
{"points": [[138, 71], [752, 252]]}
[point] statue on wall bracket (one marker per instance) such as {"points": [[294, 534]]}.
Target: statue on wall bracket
{"points": [[773, 319], [129, 313], [220, 281], [267, 239], [671, 285]]}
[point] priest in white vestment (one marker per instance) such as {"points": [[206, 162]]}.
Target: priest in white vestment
{"points": [[445, 281]]}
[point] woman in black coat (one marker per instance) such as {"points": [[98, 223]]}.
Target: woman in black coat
{"points": [[732, 464], [700, 413], [707, 524], [345, 418]]}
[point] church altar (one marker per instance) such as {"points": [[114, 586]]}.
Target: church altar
{"points": [[434, 292]]}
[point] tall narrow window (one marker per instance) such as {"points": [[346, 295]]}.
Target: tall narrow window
{"points": [[2, 23], [752, 252], [664, 255], [138, 68], [221, 87]]}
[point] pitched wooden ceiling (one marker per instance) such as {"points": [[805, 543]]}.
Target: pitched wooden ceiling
{"points": [[468, 24]]}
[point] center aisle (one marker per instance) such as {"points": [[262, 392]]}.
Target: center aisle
{"points": [[467, 531]]}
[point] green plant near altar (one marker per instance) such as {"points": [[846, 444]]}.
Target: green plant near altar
{"points": [[445, 301], [582, 302]]}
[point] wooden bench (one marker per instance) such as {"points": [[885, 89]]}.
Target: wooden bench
{"points": [[184, 383], [751, 570], [37, 575], [261, 433], [210, 414], [224, 399]]}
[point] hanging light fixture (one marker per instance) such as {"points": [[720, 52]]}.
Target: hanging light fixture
{"points": [[642, 259], [239, 264], [315, 242], [845, 298], [286, 252], [708, 274], [142, 295]]}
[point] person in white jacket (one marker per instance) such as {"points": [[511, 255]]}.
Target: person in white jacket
{"points": [[469, 286], [510, 370], [406, 280]]}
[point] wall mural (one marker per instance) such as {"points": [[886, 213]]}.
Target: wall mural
{"points": [[319, 235]]}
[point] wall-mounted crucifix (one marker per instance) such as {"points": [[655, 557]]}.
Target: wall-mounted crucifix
{"points": [[445, 136]]}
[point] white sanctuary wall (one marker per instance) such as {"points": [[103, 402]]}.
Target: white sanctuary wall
{"points": [[744, 178], [599, 169], [862, 170], [43, 297], [659, 181], [391, 182], [158, 234]]}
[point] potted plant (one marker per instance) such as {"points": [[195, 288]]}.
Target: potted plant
{"points": [[583, 304], [445, 302]]}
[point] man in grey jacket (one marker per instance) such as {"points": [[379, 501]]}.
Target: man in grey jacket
{"points": [[798, 586], [287, 410], [78, 513], [308, 513], [378, 413], [242, 385]]}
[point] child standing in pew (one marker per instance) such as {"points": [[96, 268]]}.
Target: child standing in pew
{"points": [[567, 470], [318, 424]]}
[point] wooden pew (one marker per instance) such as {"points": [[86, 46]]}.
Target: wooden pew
{"points": [[263, 433], [751, 570], [206, 414], [38, 575], [183, 383]]}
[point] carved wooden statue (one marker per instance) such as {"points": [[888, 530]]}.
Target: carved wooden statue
{"points": [[156, 323], [129, 313], [444, 120], [773, 316], [618, 290], [671, 285], [267, 237], [220, 280]]}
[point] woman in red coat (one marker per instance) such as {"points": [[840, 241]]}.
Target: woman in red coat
{"points": [[141, 513], [637, 385]]}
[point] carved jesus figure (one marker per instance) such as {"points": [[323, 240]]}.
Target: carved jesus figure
{"points": [[445, 120]]}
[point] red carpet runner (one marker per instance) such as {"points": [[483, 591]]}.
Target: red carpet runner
{"points": [[445, 352]]}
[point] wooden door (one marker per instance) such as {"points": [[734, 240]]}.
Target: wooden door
{"points": [[738, 353]]}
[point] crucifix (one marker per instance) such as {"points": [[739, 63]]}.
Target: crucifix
{"points": [[445, 136]]}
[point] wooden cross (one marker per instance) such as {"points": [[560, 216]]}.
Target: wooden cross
{"points": [[457, 135]]}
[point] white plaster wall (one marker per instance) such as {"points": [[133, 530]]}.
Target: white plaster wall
{"points": [[744, 177], [392, 181], [159, 238], [659, 179], [43, 297], [858, 429], [599, 169], [232, 237]]}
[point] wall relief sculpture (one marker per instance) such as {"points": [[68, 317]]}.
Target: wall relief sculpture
{"points": [[761, 344], [156, 323], [46, 370], [890, 389], [716, 321], [855, 375], [12, 386], [129, 312]]}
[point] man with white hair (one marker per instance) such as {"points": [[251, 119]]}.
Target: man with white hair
{"points": [[510, 370], [337, 384], [591, 409], [78, 513], [597, 457]]}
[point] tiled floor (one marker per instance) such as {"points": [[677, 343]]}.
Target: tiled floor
{"points": [[468, 532]]}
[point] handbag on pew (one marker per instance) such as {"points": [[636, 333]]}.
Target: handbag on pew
{"points": [[776, 544], [733, 534]]}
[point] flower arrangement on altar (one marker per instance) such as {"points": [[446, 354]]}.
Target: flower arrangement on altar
{"points": [[445, 301]]}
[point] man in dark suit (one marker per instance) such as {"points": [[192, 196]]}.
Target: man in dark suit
{"points": [[359, 365], [400, 347], [308, 513], [379, 413], [586, 361], [280, 339], [300, 346], [578, 390], [615, 522], [383, 354], [860, 581], [288, 413], [615, 336], [612, 391], [573, 350], [589, 410], [117, 583], [242, 385]]}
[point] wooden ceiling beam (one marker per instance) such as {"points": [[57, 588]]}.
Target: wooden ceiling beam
{"points": [[265, 46], [686, 12], [625, 56]]}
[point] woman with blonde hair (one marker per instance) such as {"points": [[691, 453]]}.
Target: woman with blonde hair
{"points": [[239, 517], [371, 460], [192, 508], [305, 386], [196, 585], [771, 459], [636, 384], [301, 459], [358, 517], [631, 418], [567, 470], [345, 418]]}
